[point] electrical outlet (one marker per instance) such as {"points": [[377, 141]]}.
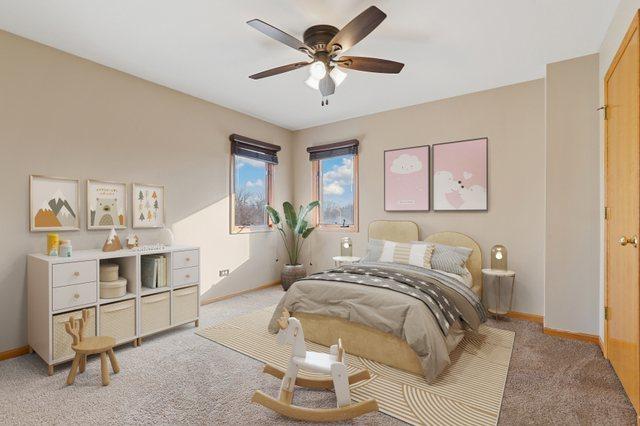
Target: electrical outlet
{"points": [[224, 272]]}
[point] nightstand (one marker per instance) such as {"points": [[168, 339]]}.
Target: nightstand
{"points": [[499, 295], [345, 260]]}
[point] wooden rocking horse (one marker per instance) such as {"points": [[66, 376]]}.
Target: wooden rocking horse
{"points": [[334, 364]]}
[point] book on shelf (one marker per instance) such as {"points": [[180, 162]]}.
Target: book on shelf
{"points": [[154, 271]]}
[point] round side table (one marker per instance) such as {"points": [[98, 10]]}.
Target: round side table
{"points": [[498, 310], [345, 260]]}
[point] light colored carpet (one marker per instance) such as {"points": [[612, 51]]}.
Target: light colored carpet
{"points": [[469, 392], [179, 377]]}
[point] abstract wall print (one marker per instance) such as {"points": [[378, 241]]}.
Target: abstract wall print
{"points": [[460, 172], [406, 179], [148, 206], [54, 204], [106, 205]]}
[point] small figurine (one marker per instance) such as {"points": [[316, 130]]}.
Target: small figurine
{"points": [[133, 241], [113, 242]]}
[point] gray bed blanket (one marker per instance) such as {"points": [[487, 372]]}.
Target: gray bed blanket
{"points": [[404, 315]]}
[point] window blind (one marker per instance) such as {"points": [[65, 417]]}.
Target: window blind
{"points": [[320, 152], [255, 149]]}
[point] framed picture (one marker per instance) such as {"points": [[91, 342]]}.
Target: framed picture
{"points": [[147, 205], [406, 179], [460, 175], [106, 205], [54, 204]]}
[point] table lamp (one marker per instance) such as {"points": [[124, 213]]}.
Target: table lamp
{"points": [[346, 246], [499, 257]]}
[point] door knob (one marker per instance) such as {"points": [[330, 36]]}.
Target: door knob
{"points": [[626, 240]]}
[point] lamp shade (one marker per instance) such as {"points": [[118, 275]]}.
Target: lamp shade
{"points": [[499, 257], [346, 246]]}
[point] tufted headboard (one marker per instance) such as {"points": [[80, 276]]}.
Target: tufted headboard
{"points": [[404, 231]]}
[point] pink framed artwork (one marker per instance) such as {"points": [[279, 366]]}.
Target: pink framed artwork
{"points": [[406, 179], [460, 170]]}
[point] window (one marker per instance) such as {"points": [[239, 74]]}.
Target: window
{"points": [[335, 171], [252, 165]]}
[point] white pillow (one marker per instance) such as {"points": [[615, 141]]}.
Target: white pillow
{"points": [[416, 254]]}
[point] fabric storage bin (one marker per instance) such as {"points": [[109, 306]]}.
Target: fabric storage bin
{"points": [[61, 340], [118, 320], [109, 271], [154, 313], [185, 305], [113, 289]]}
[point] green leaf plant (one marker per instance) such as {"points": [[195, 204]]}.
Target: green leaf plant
{"points": [[297, 224]]}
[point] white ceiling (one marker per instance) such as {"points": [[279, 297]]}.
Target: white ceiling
{"points": [[205, 49]]}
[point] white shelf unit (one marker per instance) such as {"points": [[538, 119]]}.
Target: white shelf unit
{"points": [[57, 285]]}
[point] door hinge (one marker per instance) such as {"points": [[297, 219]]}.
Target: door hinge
{"points": [[606, 313], [606, 213], [604, 108]]}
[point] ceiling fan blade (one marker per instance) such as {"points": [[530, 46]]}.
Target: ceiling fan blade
{"points": [[279, 70], [358, 28], [327, 86], [279, 35], [360, 63]]}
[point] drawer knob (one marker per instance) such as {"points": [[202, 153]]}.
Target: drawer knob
{"points": [[76, 274], [76, 296], [188, 259], [187, 276]]}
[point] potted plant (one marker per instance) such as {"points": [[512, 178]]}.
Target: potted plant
{"points": [[300, 230]]}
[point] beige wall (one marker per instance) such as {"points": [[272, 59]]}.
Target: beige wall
{"points": [[572, 241], [64, 116], [513, 119], [618, 28]]}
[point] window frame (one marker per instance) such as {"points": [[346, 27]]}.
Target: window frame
{"points": [[235, 229], [315, 179]]}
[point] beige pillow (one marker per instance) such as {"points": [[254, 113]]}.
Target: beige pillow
{"points": [[416, 254]]}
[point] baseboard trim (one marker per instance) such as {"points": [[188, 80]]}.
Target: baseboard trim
{"points": [[13, 353], [590, 338], [229, 296], [538, 319]]}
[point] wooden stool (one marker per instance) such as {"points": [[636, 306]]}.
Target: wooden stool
{"points": [[84, 346]]}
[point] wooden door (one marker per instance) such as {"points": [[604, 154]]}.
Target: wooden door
{"points": [[622, 129]]}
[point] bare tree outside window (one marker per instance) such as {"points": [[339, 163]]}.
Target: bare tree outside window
{"points": [[337, 191], [251, 180]]}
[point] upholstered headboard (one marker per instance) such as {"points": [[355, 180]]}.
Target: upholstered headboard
{"points": [[404, 231], [474, 264], [400, 231]]}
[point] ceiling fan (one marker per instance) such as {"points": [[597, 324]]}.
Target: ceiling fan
{"points": [[324, 44]]}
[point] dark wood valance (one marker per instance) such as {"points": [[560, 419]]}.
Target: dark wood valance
{"points": [[320, 152], [255, 149]]}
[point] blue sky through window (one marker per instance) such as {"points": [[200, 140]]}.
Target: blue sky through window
{"points": [[336, 192], [250, 182]]}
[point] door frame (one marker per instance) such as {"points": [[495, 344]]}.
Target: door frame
{"points": [[633, 28]]}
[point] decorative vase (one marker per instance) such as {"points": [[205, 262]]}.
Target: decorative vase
{"points": [[291, 274]]}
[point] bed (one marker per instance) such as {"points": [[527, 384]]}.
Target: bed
{"points": [[385, 326]]}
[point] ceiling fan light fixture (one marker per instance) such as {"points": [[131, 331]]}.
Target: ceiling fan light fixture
{"points": [[338, 76], [312, 83], [318, 70]]}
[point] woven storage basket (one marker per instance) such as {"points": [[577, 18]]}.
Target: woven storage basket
{"points": [[118, 320], [185, 305], [113, 289], [109, 271], [154, 313], [61, 340]]}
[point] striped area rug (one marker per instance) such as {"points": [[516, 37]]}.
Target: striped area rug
{"points": [[468, 392]]}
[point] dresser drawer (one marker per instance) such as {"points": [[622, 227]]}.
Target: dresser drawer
{"points": [[74, 273], [185, 259], [185, 276], [74, 295]]}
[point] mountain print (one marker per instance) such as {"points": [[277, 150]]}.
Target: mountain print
{"points": [[55, 213]]}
